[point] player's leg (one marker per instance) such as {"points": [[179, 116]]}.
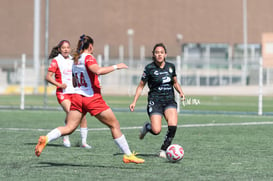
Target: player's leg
{"points": [[153, 127], [84, 132], [155, 112], [171, 118], [155, 124], [108, 118], [66, 103], [66, 107], [73, 120]]}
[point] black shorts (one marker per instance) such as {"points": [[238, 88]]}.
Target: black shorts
{"points": [[156, 107]]}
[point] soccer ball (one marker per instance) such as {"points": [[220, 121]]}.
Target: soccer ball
{"points": [[175, 153]]}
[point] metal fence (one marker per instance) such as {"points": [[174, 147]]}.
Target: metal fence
{"points": [[193, 72]]}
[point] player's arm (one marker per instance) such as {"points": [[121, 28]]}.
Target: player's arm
{"points": [[50, 79], [105, 70], [178, 88], [137, 94]]}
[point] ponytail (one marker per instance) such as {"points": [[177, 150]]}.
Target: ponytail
{"points": [[54, 52], [83, 44]]}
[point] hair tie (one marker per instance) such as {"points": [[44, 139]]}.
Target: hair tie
{"points": [[82, 37]]}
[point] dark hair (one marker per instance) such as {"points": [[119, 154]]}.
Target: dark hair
{"points": [[56, 50], [83, 44], [158, 45]]}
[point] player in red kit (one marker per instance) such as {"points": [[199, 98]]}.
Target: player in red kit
{"points": [[61, 69], [88, 99]]}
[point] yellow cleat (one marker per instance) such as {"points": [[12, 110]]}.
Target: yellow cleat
{"points": [[132, 159], [40, 145]]}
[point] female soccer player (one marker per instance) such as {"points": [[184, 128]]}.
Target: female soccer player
{"points": [[61, 66], [161, 78], [88, 98]]}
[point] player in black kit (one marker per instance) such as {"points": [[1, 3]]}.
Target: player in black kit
{"points": [[162, 80]]}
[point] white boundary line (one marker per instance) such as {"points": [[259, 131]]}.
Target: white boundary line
{"points": [[138, 127]]}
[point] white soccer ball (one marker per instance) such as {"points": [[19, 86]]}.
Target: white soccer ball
{"points": [[175, 153]]}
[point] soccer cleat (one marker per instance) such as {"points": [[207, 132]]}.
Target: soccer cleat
{"points": [[86, 146], [143, 131], [162, 154], [40, 145], [66, 141], [132, 159]]}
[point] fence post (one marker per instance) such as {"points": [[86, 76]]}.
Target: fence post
{"points": [[260, 103], [106, 55], [22, 105], [178, 75]]}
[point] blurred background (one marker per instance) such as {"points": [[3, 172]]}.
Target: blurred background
{"points": [[215, 44]]}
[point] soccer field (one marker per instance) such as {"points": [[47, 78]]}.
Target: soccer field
{"points": [[218, 146], [193, 104]]}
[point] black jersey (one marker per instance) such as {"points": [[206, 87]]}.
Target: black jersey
{"points": [[160, 81]]}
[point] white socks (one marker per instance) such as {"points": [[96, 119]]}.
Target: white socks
{"points": [[121, 141], [84, 132], [123, 145], [54, 134]]}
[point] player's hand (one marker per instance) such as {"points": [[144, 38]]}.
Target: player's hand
{"points": [[182, 97], [122, 66], [132, 107], [63, 86]]}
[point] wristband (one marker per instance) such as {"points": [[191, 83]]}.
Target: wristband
{"points": [[115, 67]]}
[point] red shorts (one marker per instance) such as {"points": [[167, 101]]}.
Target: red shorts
{"points": [[61, 97], [94, 105]]}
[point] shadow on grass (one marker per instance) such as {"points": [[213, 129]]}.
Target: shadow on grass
{"points": [[140, 154], [52, 164], [52, 145]]}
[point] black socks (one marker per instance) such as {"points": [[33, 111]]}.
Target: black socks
{"points": [[169, 137]]}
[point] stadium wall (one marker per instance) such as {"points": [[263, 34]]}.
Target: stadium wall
{"points": [[209, 21], [107, 21]]}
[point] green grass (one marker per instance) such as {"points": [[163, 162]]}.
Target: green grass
{"points": [[215, 152], [205, 103]]}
